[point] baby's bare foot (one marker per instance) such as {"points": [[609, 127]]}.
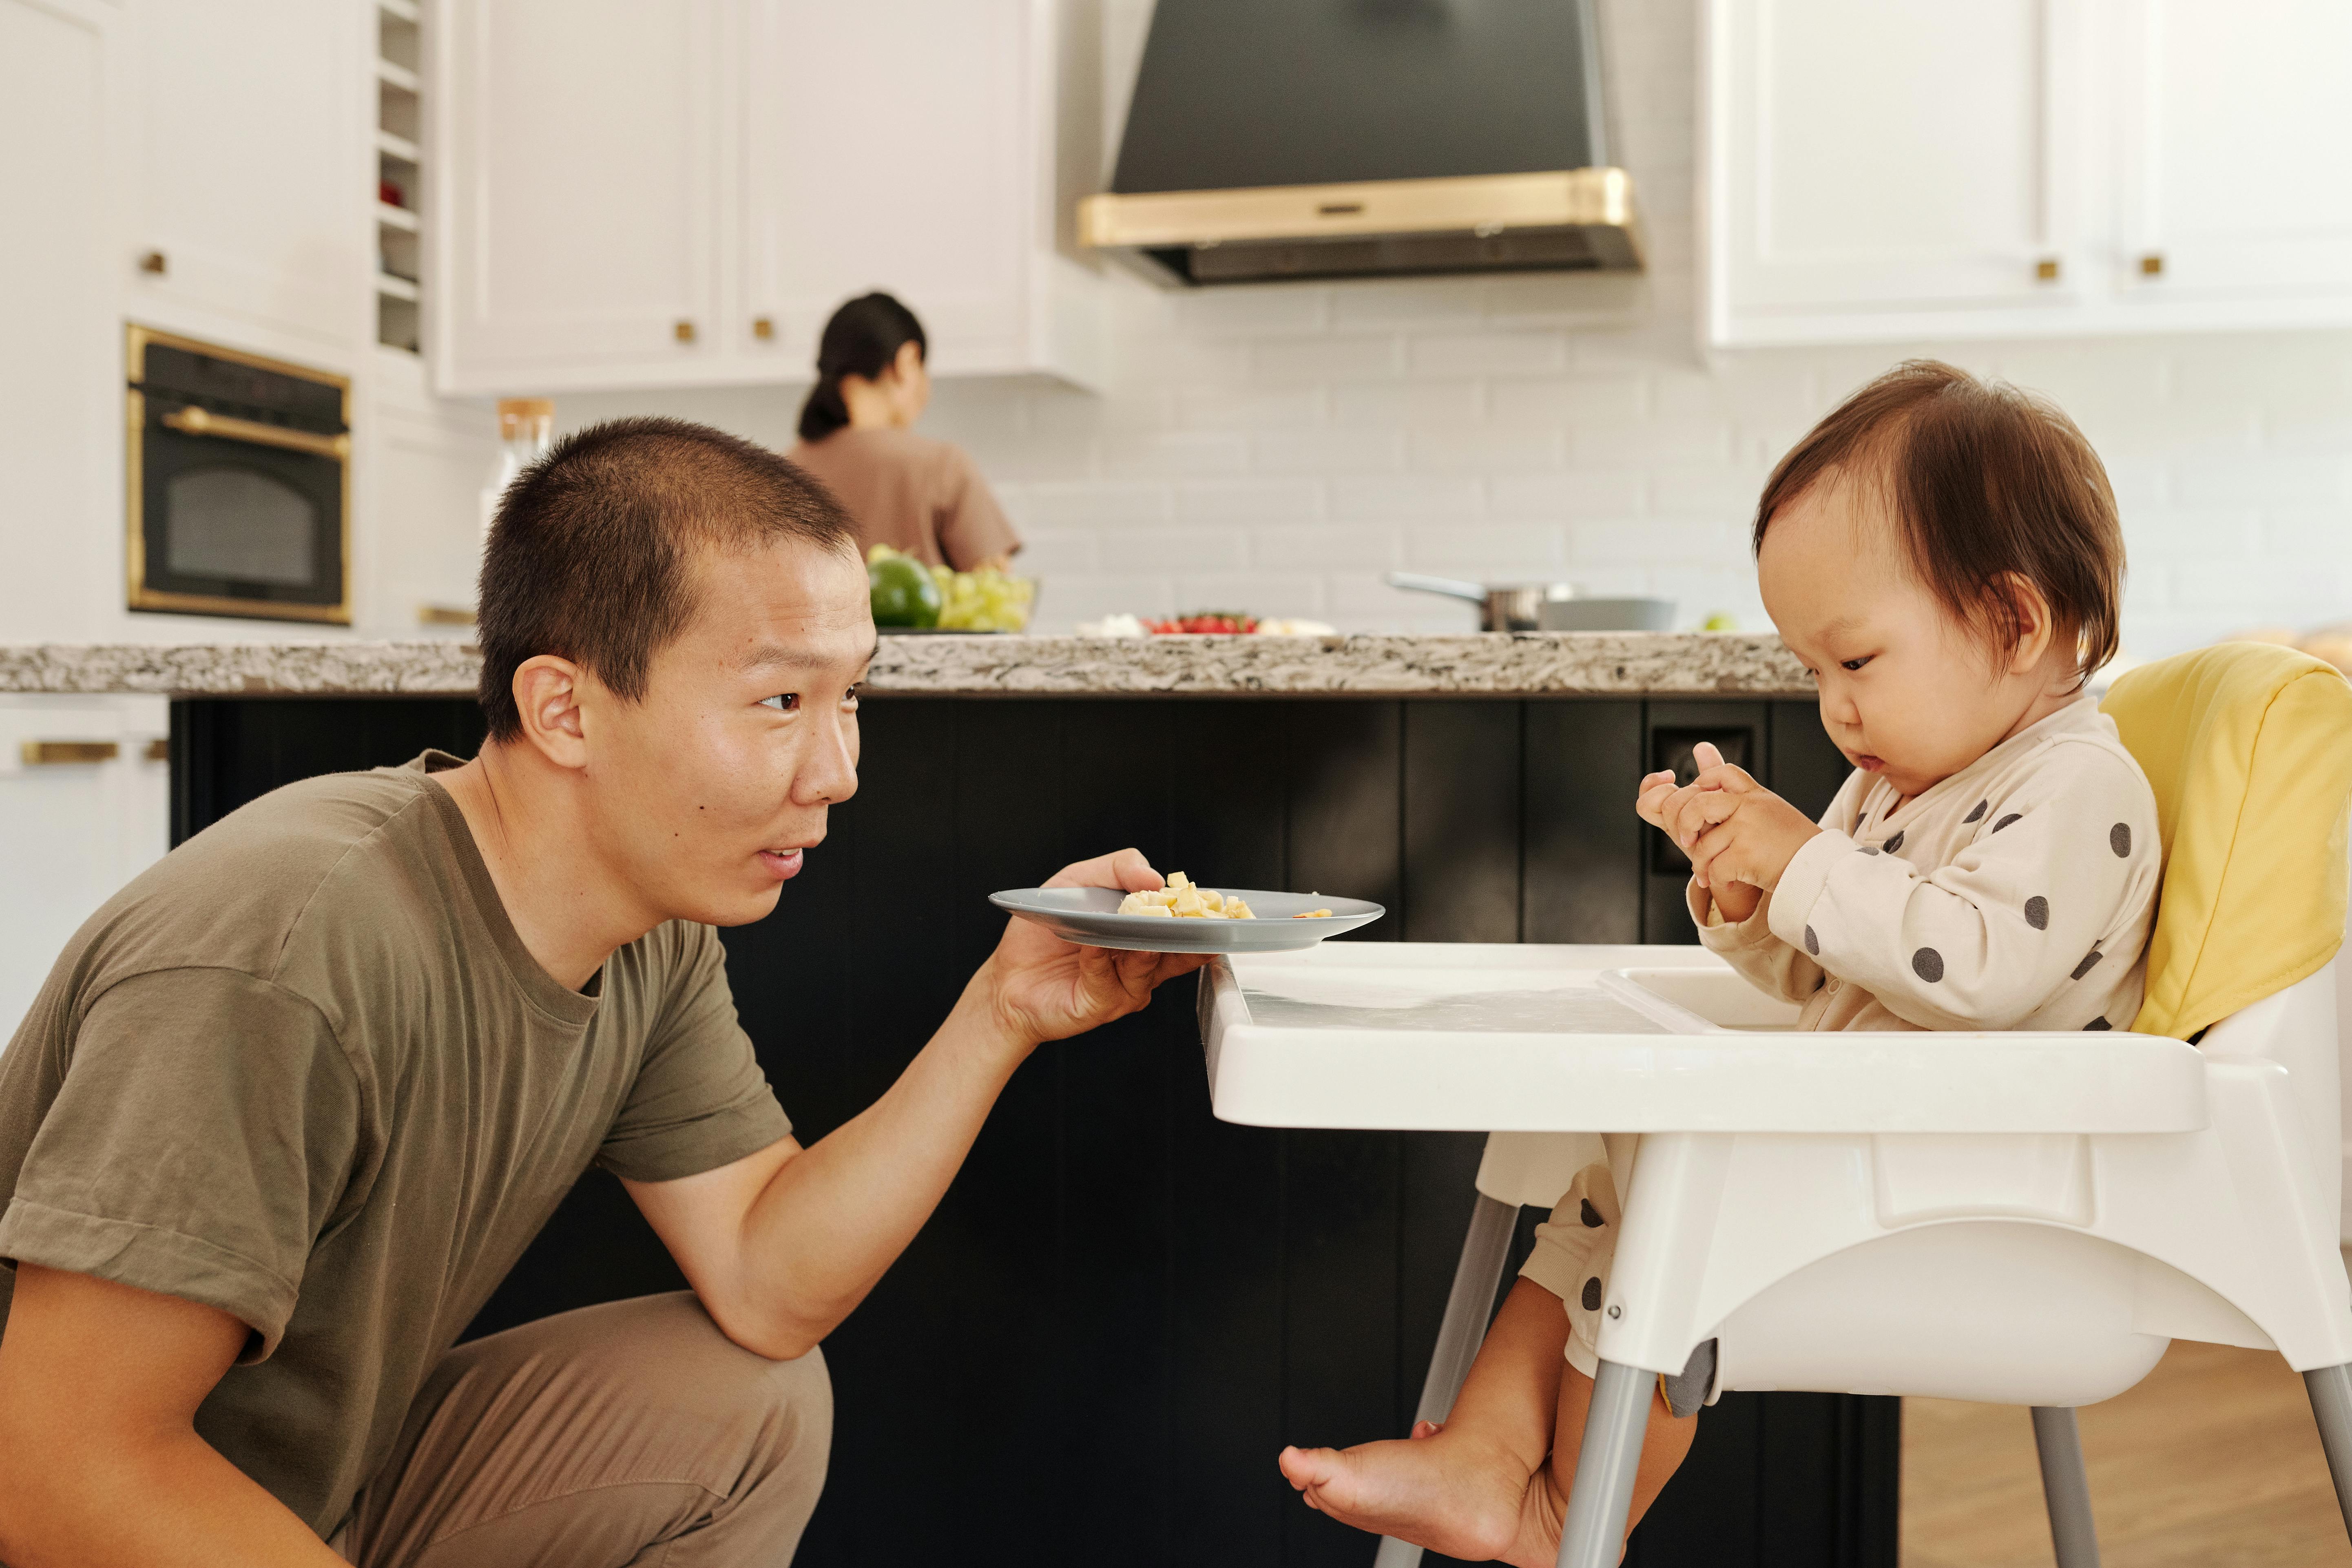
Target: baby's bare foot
{"points": [[1449, 1492]]}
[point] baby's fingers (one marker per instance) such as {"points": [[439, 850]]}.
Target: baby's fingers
{"points": [[1650, 798], [1699, 810]]}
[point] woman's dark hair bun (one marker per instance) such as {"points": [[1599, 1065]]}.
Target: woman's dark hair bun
{"points": [[862, 338]]}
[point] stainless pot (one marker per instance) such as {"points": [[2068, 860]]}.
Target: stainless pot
{"points": [[1502, 606]]}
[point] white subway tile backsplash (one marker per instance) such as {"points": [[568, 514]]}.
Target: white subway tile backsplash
{"points": [[1526, 351], [1579, 493], [1415, 302], [1488, 549], [1329, 547], [1254, 312], [2274, 476], [1557, 402], [1262, 499], [1411, 404], [1282, 361], [1412, 496], [1254, 407], [1484, 451], [1330, 451], [1108, 503]]}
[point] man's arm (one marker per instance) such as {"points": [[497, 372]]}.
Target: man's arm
{"points": [[98, 1389], [780, 1246]]}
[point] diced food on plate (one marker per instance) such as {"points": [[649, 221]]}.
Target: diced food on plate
{"points": [[1180, 900]]}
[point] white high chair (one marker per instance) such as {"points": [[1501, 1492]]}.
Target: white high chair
{"points": [[2019, 1218]]}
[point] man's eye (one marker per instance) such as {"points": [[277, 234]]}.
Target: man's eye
{"points": [[849, 697], [788, 702]]}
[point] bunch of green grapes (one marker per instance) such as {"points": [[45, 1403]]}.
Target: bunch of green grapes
{"points": [[983, 601]]}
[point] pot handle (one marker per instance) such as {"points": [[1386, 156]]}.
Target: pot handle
{"points": [[1451, 588]]}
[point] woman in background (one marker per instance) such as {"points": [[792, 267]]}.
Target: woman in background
{"points": [[920, 496]]}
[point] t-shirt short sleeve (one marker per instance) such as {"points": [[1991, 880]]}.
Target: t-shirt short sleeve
{"points": [[970, 525], [700, 1100], [202, 1137]]}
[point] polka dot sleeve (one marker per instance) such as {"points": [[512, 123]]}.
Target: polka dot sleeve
{"points": [[2038, 888]]}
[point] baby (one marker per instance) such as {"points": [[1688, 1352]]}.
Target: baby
{"points": [[1944, 556]]}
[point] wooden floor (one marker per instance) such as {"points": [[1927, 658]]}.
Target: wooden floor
{"points": [[2212, 1461]]}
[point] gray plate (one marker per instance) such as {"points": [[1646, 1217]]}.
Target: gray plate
{"points": [[1089, 917]]}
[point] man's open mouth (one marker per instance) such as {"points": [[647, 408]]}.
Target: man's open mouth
{"points": [[781, 864]]}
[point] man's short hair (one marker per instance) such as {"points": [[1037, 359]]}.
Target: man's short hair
{"points": [[590, 557]]}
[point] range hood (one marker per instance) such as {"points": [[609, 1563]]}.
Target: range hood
{"points": [[1296, 139]]}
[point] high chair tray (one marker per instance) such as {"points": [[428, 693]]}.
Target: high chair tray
{"points": [[1488, 1038]]}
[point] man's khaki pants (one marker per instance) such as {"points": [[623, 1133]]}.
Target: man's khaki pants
{"points": [[634, 1433]]}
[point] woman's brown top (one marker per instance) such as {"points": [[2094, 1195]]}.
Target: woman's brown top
{"points": [[914, 494]]}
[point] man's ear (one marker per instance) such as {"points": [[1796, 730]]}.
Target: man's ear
{"points": [[2033, 629], [546, 695]]}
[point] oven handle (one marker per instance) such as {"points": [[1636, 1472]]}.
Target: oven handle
{"points": [[199, 422]]}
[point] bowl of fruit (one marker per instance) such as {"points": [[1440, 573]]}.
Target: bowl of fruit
{"points": [[909, 596]]}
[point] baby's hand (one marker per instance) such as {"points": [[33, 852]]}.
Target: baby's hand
{"points": [[1739, 835]]}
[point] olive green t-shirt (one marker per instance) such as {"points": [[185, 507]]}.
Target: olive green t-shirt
{"points": [[303, 1069]]}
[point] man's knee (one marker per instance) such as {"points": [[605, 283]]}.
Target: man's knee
{"points": [[781, 1411]]}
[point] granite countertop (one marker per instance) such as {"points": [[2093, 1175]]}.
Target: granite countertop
{"points": [[1610, 664]]}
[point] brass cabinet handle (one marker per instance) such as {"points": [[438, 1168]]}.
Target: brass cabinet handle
{"points": [[2152, 264], [763, 328], [685, 331], [154, 261], [53, 754], [201, 421], [2046, 270]]}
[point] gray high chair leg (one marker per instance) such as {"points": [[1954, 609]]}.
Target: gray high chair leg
{"points": [[1483, 1249], [1594, 1535], [2065, 1487], [2330, 1388]]}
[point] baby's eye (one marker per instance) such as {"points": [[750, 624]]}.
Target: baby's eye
{"points": [[1857, 663], [786, 702]]}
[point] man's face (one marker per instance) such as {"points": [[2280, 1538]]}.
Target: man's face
{"points": [[706, 794]]}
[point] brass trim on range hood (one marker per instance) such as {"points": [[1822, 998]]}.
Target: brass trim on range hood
{"points": [[1598, 202]]}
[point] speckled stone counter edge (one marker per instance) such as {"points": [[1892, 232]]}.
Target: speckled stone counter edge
{"points": [[1610, 664]]}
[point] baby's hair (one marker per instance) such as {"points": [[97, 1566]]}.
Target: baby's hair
{"points": [[1985, 480]]}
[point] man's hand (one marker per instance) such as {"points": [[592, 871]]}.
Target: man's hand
{"points": [[782, 1244], [1043, 988]]}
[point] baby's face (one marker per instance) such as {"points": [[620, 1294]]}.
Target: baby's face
{"points": [[1906, 689]]}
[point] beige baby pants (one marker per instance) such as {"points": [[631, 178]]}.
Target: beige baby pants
{"points": [[1573, 1251], [633, 1433]]}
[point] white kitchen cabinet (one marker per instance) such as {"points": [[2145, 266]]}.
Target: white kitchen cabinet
{"points": [[1886, 160], [938, 198], [71, 833], [1877, 171], [2233, 160], [60, 340], [249, 193], [680, 195], [579, 217]]}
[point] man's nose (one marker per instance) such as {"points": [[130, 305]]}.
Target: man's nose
{"points": [[828, 774]]}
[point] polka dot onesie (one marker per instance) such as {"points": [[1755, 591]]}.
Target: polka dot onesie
{"points": [[2016, 894]]}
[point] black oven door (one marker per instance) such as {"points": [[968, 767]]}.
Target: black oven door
{"points": [[233, 525]]}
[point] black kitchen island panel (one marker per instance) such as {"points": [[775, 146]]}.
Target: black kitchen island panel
{"points": [[1124, 1307]]}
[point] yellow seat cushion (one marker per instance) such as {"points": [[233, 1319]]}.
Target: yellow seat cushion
{"points": [[2249, 749]]}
